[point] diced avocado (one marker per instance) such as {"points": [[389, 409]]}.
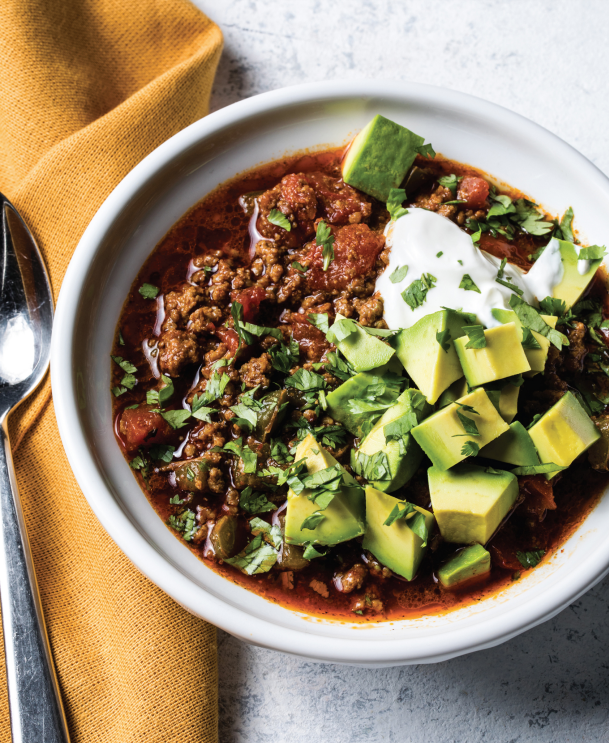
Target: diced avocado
{"points": [[338, 399], [468, 563], [515, 446], [403, 457], [503, 356], [573, 283], [564, 432], [362, 350], [442, 435], [456, 390], [395, 546], [380, 156], [535, 356], [469, 503], [344, 517], [508, 402], [431, 367]]}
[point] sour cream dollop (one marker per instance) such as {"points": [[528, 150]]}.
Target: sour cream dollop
{"points": [[429, 243]]}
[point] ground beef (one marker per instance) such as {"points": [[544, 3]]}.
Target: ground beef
{"points": [[179, 305], [577, 351], [177, 348], [255, 372]]}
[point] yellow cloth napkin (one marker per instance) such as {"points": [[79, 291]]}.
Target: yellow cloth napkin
{"points": [[88, 88]]}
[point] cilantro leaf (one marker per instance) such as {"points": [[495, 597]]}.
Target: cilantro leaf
{"points": [[566, 225], [416, 294], [176, 418], [530, 318], [592, 253], [476, 336], [305, 380], [340, 330], [285, 356], [337, 366], [271, 534], [467, 283], [312, 521], [148, 291], [501, 269], [450, 181], [185, 523], [325, 238], [443, 338], [426, 150], [299, 267], [439, 254], [319, 321], [118, 391], [310, 552], [399, 511], [160, 397], [126, 366], [418, 525], [530, 219], [394, 203], [161, 452], [552, 306], [399, 274], [248, 332], [529, 340], [470, 449], [530, 559], [257, 557], [372, 467], [538, 469], [279, 219], [468, 424], [398, 429], [121, 340], [510, 285]]}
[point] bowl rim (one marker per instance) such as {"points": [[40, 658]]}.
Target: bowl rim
{"points": [[546, 602]]}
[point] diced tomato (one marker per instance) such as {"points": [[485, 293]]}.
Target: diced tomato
{"points": [[141, 427], [310, 339], [229, 337], [502, 249], [355, 251], [474, 191], [251, 298], [538, 495]]}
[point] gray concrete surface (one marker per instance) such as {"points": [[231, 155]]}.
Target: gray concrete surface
{"points": [[548, 60]]}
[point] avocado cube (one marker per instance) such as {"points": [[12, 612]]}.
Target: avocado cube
{"points": [[503, 356], [515, 446], [344, 517], [442, 435], [431, 367], [468, 563], [362, 350], [469, 503], [403, 457], [508, 402], [339, 398], [535, 356], [395, 546], [563, 433], [380, 156], [573, 283]]}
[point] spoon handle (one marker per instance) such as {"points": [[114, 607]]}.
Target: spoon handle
{"points": [[36, 710]]}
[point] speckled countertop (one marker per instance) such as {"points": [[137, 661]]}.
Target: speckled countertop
{"points": [[545, 59]]}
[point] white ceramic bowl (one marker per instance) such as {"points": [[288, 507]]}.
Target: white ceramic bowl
{"points": [[136, 216]]}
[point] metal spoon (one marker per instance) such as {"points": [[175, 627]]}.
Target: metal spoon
{"points": [[26, 318]]}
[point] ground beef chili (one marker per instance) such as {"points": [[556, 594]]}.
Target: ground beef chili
{"points": [[176, 328]]}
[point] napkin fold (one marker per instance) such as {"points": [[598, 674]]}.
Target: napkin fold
{"points": [[89, 88]]}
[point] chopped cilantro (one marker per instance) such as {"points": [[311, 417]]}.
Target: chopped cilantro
{"points": [[298, 267], [469, 425], [341, 330], [161, 452], [416, 294], [394, 203], [530, 559], [160, 397], [305, 380], [443, 338], [257, 557], [372, 467], [176, 418], [319, 321], [530, 219], [125, 365], [439, 254], [279, 219], [566, 225], [592, 253], [310, 552], [400, 511], [530, 318], [285, 356], [470, 449], [312, 521], [510, 285], [121, 340], [325, 238], [399, 274], [529, 340], [450, 181], [247, 331], [148, 291], [426, 150], [476, 336], [468, 284], [118, 391]]}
